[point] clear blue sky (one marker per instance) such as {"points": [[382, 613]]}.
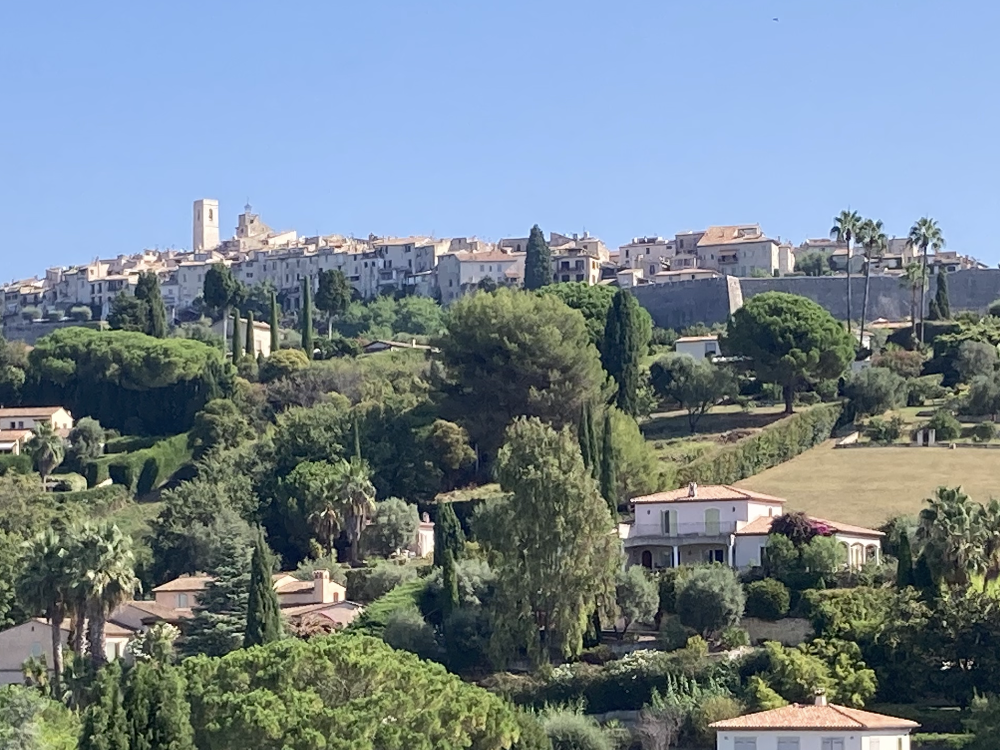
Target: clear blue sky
{"points": [[484, 117]]}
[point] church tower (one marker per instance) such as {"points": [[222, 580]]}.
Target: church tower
{"points": [[206, 225]]}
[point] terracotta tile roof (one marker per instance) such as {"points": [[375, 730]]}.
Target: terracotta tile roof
{"points": [[14, 435], [707, 492], [185, 583], [730, 235], [293, 587], [159, 611], [28, 411], [797, 716], [495, 256], [762, 526]]}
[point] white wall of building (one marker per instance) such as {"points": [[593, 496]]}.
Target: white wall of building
{"points": [[865, 739]]}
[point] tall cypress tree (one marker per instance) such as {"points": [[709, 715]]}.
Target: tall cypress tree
{"points": [[942, 303], [275, 338], [537, 261], [449, 585], [148, 291], [626, 339], [248, 347], [105, 723], [609, 476], [237, 341], [904, 567], [448, 535], [263, 612], [307, 318], [595, 445]]}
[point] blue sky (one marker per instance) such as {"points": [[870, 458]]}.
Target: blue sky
{"points": [[484, 117]]}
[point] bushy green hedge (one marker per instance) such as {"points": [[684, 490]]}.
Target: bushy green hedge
{"points": [[936, 741], [779, 442], [15, 464], [143, 470], [129, 443], [372, 621], [111, 495]]}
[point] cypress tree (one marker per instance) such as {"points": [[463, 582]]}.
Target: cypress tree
{"points": [[449, 585], [537, 261], [357, 438], [609, 478], [248, 347], [943, 304], [263, 612], [105, 723], [626, 339], [904, 568], [148, 291], [448, 535], [583, 436], [307, 319], [924, 578], [275, 342], [237, 341]]}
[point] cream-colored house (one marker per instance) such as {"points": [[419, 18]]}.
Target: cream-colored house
{"points": [[34, 639], [648, 254], [424, 546], [182, 593], [12, 442], [699, 347], [576, 265], [721, 524], [687, 274], [28, 417], [742, 250], [460, 273], [821, 726]]}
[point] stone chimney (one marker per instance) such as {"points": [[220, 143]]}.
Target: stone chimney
{"points": [[693, 489], [820, 697], [322, 590]]}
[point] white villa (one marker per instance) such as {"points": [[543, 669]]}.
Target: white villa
{"points": [[817, 727], [720, 523]]}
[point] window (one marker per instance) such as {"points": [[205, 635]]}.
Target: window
{"points": [[210, 215], [712, 522], [745, 743], [832, 743], [715, 556], [681, 246], [579, 277], [565, 277], [791, 743], [182, 600], [20, 424]]}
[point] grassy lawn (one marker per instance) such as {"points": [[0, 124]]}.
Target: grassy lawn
{"points": [[134, 518], [865, 486]]}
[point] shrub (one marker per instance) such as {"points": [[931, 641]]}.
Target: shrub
{"points": [[69, 483], [15, 464], [712, 708], [406, 630], [734, 638], [776, 444], [808, 398], [569, 730], [874, 390], [145, 470], [281, 364], [904, 363], [984, 432], [81, 313], [945, 426], [31, 313], [672, 635], [828, 390], [372, 582], [921, 390], [975, 358], [768, 599], [880, 430]]}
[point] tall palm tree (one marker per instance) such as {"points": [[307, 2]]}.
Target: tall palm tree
{"points": [[915, 279], [357, 498], [46, 449], [109, 580], [874, 242], [325, 523], [925, 235], [44, 586], [845, 229]]}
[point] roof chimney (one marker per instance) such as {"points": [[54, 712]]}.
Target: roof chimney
{"points": [[820, 697], [693, 489]]}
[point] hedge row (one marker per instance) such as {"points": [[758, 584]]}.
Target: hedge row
{"points": [[15, 464], [375, 616], [130, 443], [775, 444], [141, 471], [112, 496]]}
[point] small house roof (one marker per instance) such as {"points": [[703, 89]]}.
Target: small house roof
{"points": [[32, 412], [806, 717], [762, 527], [185, 583], [722, 492]]}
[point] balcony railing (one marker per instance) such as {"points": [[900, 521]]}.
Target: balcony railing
{"points": [[681, 531]]}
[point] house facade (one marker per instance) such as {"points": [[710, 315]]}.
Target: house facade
{"points": [[29, 417], [721, 524], [34, 639], [744, 250], [699, 347], [820, 726]]}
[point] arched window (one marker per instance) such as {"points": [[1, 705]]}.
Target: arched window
{"points": [[647, 559]]}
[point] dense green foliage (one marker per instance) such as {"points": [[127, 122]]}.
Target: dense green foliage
{"points": [[126, 380], [777, 443], [710, 599], [537, 261], [626, 341], [696, 385], [874, 390], [767, 599]]}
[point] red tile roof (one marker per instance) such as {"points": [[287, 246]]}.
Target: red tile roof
{"points": [[762, 526], [797, 716], [706, 492]]}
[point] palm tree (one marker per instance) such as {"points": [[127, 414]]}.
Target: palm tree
{"points": [[925, 234], [325, 523], [46, 449], [109, 580], [915, 278], [874, 242], [845, 229], [44, 586], [357, 499]]}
